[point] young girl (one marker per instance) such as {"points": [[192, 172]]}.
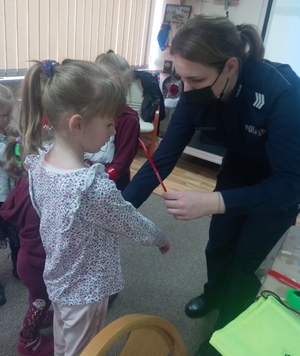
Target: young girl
{"points": [[31, 260], [127, 125], [7, 230], [82, 213], [118, 154], [18, 209]]}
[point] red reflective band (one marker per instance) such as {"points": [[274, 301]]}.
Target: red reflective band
{"points": [[113, 174], [284, 279]]}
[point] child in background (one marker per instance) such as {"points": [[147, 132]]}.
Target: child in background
{"points": [[127, 126], [7, 230], [118, 154], [82, 213], [18, 209], [31, 260]]}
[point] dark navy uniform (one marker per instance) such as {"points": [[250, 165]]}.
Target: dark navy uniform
{"points": [[259, 178]]}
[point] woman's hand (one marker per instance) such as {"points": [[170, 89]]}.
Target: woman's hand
{"points": [[191, 204]]}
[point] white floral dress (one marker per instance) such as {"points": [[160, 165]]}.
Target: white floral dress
{"points": [[82, 217]]}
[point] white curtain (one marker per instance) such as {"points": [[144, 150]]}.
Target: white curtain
{"points": [[76, 29]]}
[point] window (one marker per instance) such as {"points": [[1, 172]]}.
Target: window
{"points": [[282, 36], [77, 29]]}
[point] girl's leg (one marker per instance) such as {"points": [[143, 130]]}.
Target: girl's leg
{"points": [[74, 326], [31, 341], [39, 303]]}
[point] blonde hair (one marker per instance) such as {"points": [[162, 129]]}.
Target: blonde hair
{"points": [[211, 40], [76, 86], [6, 97], [9, 158], [31, 112], [118, 66]]}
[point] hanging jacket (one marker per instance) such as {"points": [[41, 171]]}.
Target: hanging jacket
{"points": [[152, 96]]}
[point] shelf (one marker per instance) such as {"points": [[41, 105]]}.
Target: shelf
{"points": [[207, 156]]}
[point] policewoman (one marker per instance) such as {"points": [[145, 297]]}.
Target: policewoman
{"points": [[252, 107]]}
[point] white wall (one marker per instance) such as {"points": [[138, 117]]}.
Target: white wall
{"points": [[282, 36], [251, 11], [248, 11]]}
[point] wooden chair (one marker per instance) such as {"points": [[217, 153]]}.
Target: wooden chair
{"points": [[135, 99], [145, 335]]}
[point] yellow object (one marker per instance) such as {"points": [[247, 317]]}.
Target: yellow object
{"points": [[266, 328], [140, 335]]}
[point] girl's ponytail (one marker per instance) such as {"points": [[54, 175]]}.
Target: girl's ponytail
{"points": [[31, 107]]}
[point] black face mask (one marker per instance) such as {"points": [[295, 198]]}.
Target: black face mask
{"points": [[204, 96]]}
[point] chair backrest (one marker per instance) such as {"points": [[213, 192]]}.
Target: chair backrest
{"points": [[135, 96], [137, 335]]}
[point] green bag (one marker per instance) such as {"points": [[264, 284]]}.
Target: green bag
{"points": [[266, 328]]}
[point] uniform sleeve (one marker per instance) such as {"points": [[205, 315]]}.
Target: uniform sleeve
{"points": [[282, 188], [179, 133]]}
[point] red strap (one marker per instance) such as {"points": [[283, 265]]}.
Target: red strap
{"points": [[153, 165]]}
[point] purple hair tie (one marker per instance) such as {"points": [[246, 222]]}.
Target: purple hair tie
{"points": [[19, 139], [48, 67]]}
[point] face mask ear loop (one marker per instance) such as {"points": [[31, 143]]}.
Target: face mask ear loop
{"points": [[219, 75], [222, 93], [217, 78]]}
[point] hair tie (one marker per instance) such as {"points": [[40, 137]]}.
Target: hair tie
{"points": [[48, 67], [17, 153]]}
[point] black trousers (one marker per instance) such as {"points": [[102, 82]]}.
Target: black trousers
{"points": [[236, 248]]}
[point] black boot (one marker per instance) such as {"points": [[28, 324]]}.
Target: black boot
{"points": [[2, 295], [200, 306]]}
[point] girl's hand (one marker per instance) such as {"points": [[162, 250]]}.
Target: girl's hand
{"points": [[191, 204], [164, 249]]}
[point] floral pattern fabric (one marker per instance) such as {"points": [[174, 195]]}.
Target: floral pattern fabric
{"points": [[82, 217]]}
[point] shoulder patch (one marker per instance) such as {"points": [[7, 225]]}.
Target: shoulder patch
{"points": [[259, 100]]}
